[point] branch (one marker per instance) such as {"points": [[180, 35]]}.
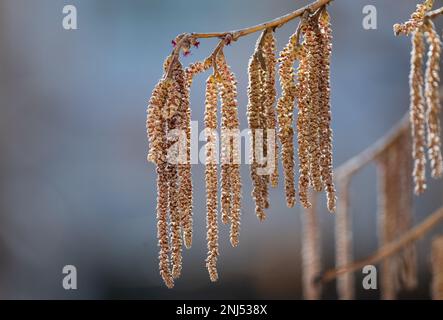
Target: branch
{"points": [[388, 250], [434, 13], [354, 164], [228, 36], [276, 23]]}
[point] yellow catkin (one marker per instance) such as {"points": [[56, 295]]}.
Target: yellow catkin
{"points": [[343, 243], [285, 117], [437, 268], [254, 104], [311, 261], [270, 98], [230, 121], [432, 84], [416, 20], [312, 42], [417, 112], [211, 177], [325, 110]]}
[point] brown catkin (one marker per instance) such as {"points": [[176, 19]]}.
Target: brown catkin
{"points": [[417, 112], [432, 84], [255, 94], [230, 126], [303, 129], [437, 268], [395, 217], [311, 253], [211, 177], [162, 225], [285, 116], [312, 41], [416, 20], [343, 243], [270, 98], [325, 110]]}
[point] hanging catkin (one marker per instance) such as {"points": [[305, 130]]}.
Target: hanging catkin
{"points": [[230, 146], [343, 243], [303, 128], [176, 116], [270, 98], [311, 262], [417, 112], [325, 110], [255, 119], [432, 83], [285, 110], [312, 41], [211, 177], [184, 168], [437, 268], [395, 217]]}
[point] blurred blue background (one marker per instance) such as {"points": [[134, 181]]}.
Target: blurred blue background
{"points": [[75, 187]]}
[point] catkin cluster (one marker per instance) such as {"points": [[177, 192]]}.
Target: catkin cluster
{"points": [[425, 98], [262, 121], [312, 94], [169, 132], [395, 216], [168, 128]]}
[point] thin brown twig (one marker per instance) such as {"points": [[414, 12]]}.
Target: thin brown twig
{"points": [[389, 249], [235, 35], [359, 161]]}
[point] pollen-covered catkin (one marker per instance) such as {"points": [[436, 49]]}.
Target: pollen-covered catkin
{"points": [[417, 112], [255, 94], [211, 177], [312, 41], [416, 20], [285, 114], [432, 84], [270, 98], [162, 225], [325, 110], [230, 140], [303, 129]]}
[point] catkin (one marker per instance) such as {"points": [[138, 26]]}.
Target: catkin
{"points": [[416, 20], [254, 113], [417, 112], [230, 127], [270, 98], [303, 129], [395, 217], [211, 177], [325, 110], [432, 83], [285, 110], [343, 243], [312, 41], [311, 261], [437, 268]]}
